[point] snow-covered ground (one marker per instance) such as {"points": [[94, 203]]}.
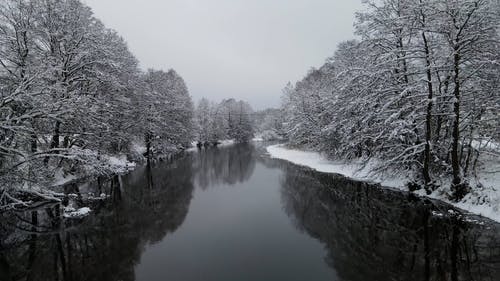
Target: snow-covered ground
{"points": [[117, 164], [226, 143], [120, 163], [70, 212], [483, 201]]}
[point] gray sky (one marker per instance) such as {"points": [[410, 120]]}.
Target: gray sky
{"points": [[247, 49]]}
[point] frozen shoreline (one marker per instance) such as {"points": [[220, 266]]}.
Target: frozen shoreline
{"points": [[484, 202]]}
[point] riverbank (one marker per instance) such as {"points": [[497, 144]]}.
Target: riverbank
{"points": [[117, 164], [484, 199], [59, 185]]}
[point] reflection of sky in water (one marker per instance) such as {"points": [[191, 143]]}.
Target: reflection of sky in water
{"points": [[219, 166], [237, 232]]}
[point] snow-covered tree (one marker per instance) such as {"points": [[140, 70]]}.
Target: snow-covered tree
{"points": [[417, 91], [269, 124], [71, 94], [237, 117], [166, 112], [203, 120], [229, 119]]}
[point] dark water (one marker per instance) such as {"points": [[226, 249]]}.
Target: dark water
{"points": [[234, 214]]}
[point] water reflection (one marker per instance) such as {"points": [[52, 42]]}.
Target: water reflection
{"points": [[143, 208], [225, 165], [376, 234], [368, 233]]}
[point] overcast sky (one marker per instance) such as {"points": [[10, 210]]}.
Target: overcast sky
{"points": [[247, 49]]}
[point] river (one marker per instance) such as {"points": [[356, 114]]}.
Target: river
{"points": [[233, 213]]}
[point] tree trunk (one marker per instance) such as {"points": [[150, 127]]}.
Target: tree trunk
{"points": [[455, 160], [34, 146], [428, 117], [55, 137], [66, 142]]}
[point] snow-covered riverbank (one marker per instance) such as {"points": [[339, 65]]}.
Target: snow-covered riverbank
{"points": [[114, 164], [483, 201]]}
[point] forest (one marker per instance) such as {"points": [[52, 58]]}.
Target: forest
{"points": [[415, 94], [75, 103], [227, 120], [72, 96]]}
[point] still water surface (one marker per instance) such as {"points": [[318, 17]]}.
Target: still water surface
{"points": [[235, 214]]}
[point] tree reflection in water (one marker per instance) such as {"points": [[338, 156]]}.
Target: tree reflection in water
{"points": [[375, 234], [369, 233], [225, 165], [144, 207]]}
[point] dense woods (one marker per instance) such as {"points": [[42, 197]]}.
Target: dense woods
{"points": [[73, 100], [416, 94], [227, 120], [269, 124]]}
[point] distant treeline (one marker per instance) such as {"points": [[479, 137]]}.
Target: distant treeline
{"points": [[229, 119]]}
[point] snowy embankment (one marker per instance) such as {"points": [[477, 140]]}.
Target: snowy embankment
{"points": [[117, 164], [70, 212], [112, 164], [484, 201]]}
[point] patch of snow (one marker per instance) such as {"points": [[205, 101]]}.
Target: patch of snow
{"points": [[484, 199], [120, 163], [437, 214], [70, 212], [486, 145], [61, 179], [194, 147], [138, 147], [474, 221], [318, 162], [226, 143], [258, 139]]}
